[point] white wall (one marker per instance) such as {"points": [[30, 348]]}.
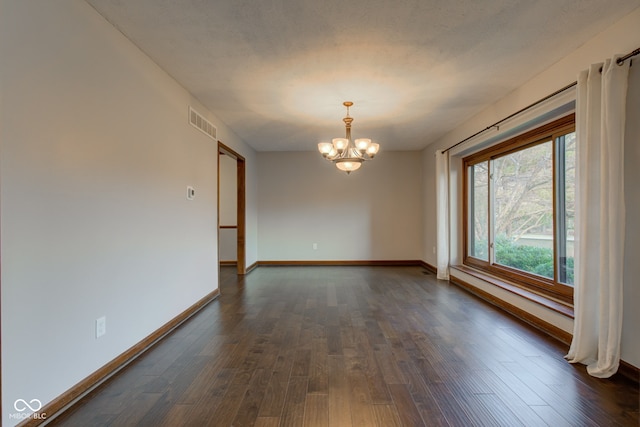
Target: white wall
{"points": [[96, 156], [373, 214], [622, 37]]}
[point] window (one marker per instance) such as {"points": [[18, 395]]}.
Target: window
{"points": [[520, 209]]}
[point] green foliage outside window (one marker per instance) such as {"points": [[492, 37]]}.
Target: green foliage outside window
{"points": [[532, 259], [528, 258]]}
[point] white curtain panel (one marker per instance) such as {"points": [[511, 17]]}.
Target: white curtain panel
{"points": [[600, 218], [442, 214]]}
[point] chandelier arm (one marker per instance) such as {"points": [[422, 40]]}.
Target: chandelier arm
{"points": [[355, 154]]}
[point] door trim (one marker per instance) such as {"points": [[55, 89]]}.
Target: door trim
{"points": [[241, 204]]}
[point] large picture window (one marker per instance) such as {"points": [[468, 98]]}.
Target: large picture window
{"points": [[520, 209]]}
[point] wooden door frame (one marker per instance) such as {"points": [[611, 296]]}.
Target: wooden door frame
{"points": [[241, 205]]}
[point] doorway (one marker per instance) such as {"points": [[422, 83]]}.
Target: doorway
{"points": [[226, 230]]}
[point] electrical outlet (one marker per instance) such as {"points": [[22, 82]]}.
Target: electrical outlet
{"points": [[101, 326], [434, 249], [191, 193], [315, 246]]}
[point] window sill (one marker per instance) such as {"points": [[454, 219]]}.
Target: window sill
{"points": [[545, 301]]}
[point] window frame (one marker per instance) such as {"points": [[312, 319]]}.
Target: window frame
{"points": [[549, 132]]}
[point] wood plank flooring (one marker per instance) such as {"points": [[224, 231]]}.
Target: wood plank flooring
{"points": [[353, 346]]}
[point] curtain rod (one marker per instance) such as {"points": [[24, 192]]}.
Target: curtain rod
{"points": [[619, 61], [631, 54]]}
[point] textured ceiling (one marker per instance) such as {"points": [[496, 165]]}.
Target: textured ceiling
{"points": [[277, 71]]}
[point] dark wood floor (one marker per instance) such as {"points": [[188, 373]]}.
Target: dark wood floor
{"points": [[354, 346]]}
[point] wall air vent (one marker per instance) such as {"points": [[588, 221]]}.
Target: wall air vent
{"points": [[202, 124]]}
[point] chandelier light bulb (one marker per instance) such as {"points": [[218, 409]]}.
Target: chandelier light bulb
{"points": [[325, 148], [340, 144], [349, 166], [372, 149], [362, 144]]}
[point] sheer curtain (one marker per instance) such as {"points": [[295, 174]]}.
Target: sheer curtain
{"points": [[442, 214], [600, 218]]}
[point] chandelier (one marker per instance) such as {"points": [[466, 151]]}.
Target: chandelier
{"points": [[348, 155]]}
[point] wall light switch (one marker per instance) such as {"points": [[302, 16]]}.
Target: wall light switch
{"points": [[101, 326], [191, 193]]}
